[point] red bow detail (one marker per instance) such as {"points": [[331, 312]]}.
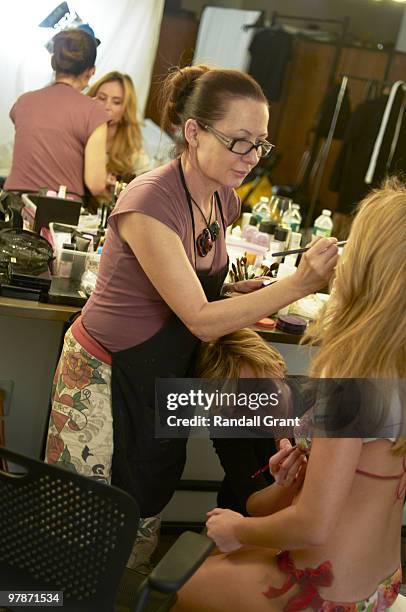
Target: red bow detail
{"points": [[308, 580]]}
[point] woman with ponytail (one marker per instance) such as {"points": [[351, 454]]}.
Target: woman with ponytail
{"points": [[161, 275], [60, 133]]}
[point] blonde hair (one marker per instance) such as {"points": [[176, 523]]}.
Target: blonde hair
{"points": [[224, 357], [362, 329], [127, 141]]}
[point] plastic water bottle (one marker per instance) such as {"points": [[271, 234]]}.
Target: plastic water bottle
{"points": [[261, 209], [323, 225], [288, 217], [297, 218]]}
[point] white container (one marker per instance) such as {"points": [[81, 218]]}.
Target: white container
{"points": [[291, 260], [323, 225], [245, 219], [278, 243], [295, 240], [285, 269], [72, 264], [237, 247]]}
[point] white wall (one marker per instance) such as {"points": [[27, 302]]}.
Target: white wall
{"points": [[128, 29]]}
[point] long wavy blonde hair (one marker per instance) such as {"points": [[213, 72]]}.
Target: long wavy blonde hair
{"points": [[127, 141], [361, 331]]}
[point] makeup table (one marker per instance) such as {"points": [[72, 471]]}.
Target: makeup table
{"points": [[31, 335]]}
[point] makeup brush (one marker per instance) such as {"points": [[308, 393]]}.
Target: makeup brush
{"points": [[303, 250]]}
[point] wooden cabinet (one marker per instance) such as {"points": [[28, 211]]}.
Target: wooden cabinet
{"points": [[307, 81], [176, 45]]}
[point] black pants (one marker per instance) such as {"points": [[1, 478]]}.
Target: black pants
{"points": [[240, 458]]}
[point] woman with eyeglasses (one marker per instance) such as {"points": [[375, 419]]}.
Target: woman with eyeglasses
{"points": [[157, 296]]}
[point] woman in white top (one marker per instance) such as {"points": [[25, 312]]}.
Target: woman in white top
{"points": [[326, 535]]}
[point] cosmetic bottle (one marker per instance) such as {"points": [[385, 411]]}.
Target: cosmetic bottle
{"points": [[265, 234], [279, 242], [285, 269], [251, 229]]}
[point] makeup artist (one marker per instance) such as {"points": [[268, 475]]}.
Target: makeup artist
{"points": [[60, 133], [162, 269]]}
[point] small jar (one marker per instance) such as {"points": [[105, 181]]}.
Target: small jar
{"points": [[251, 229], [266, 233], [291, 324]]}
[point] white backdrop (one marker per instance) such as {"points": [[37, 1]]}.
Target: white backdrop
{"points": [[128, 30], [221, 41]]}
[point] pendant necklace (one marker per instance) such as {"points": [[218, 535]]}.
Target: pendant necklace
{"points": [[206, 239]]}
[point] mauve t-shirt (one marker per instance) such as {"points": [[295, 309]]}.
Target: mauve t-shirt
{"points": [[125, 309], [52, 127]]}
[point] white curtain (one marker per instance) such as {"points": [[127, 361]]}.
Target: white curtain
{"points": [[128, 30], [221, 39]]}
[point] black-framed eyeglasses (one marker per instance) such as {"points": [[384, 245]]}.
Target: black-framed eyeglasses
{"points": [[240, 146]]}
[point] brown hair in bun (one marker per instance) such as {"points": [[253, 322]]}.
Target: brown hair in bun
{"points": [[203, 93], [74, 52]]}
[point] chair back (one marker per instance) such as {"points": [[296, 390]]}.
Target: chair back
{"points": [[60, 531]]}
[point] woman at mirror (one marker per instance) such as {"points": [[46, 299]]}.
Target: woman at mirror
{"points": [[61, 134]]}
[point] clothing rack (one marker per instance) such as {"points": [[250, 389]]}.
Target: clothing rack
{"points": [[345, 22], [321, 156], [325, 149], [260, 23], [363, 79]]}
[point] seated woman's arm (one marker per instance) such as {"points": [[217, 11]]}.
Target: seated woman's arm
{"points": [[329, 476], [288, 467], [273, 498]]}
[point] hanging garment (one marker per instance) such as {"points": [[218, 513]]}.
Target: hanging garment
{"points": [[325, 114], [396, 96], [348, 177], [271, 50]]}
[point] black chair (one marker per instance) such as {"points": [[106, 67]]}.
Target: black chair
{"points": [[60, 531]]}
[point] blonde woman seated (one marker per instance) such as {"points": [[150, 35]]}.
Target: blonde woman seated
{"points": [[334, 542], [125, 155]]}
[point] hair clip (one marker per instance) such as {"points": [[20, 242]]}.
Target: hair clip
{"points": [[172, 69]]}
